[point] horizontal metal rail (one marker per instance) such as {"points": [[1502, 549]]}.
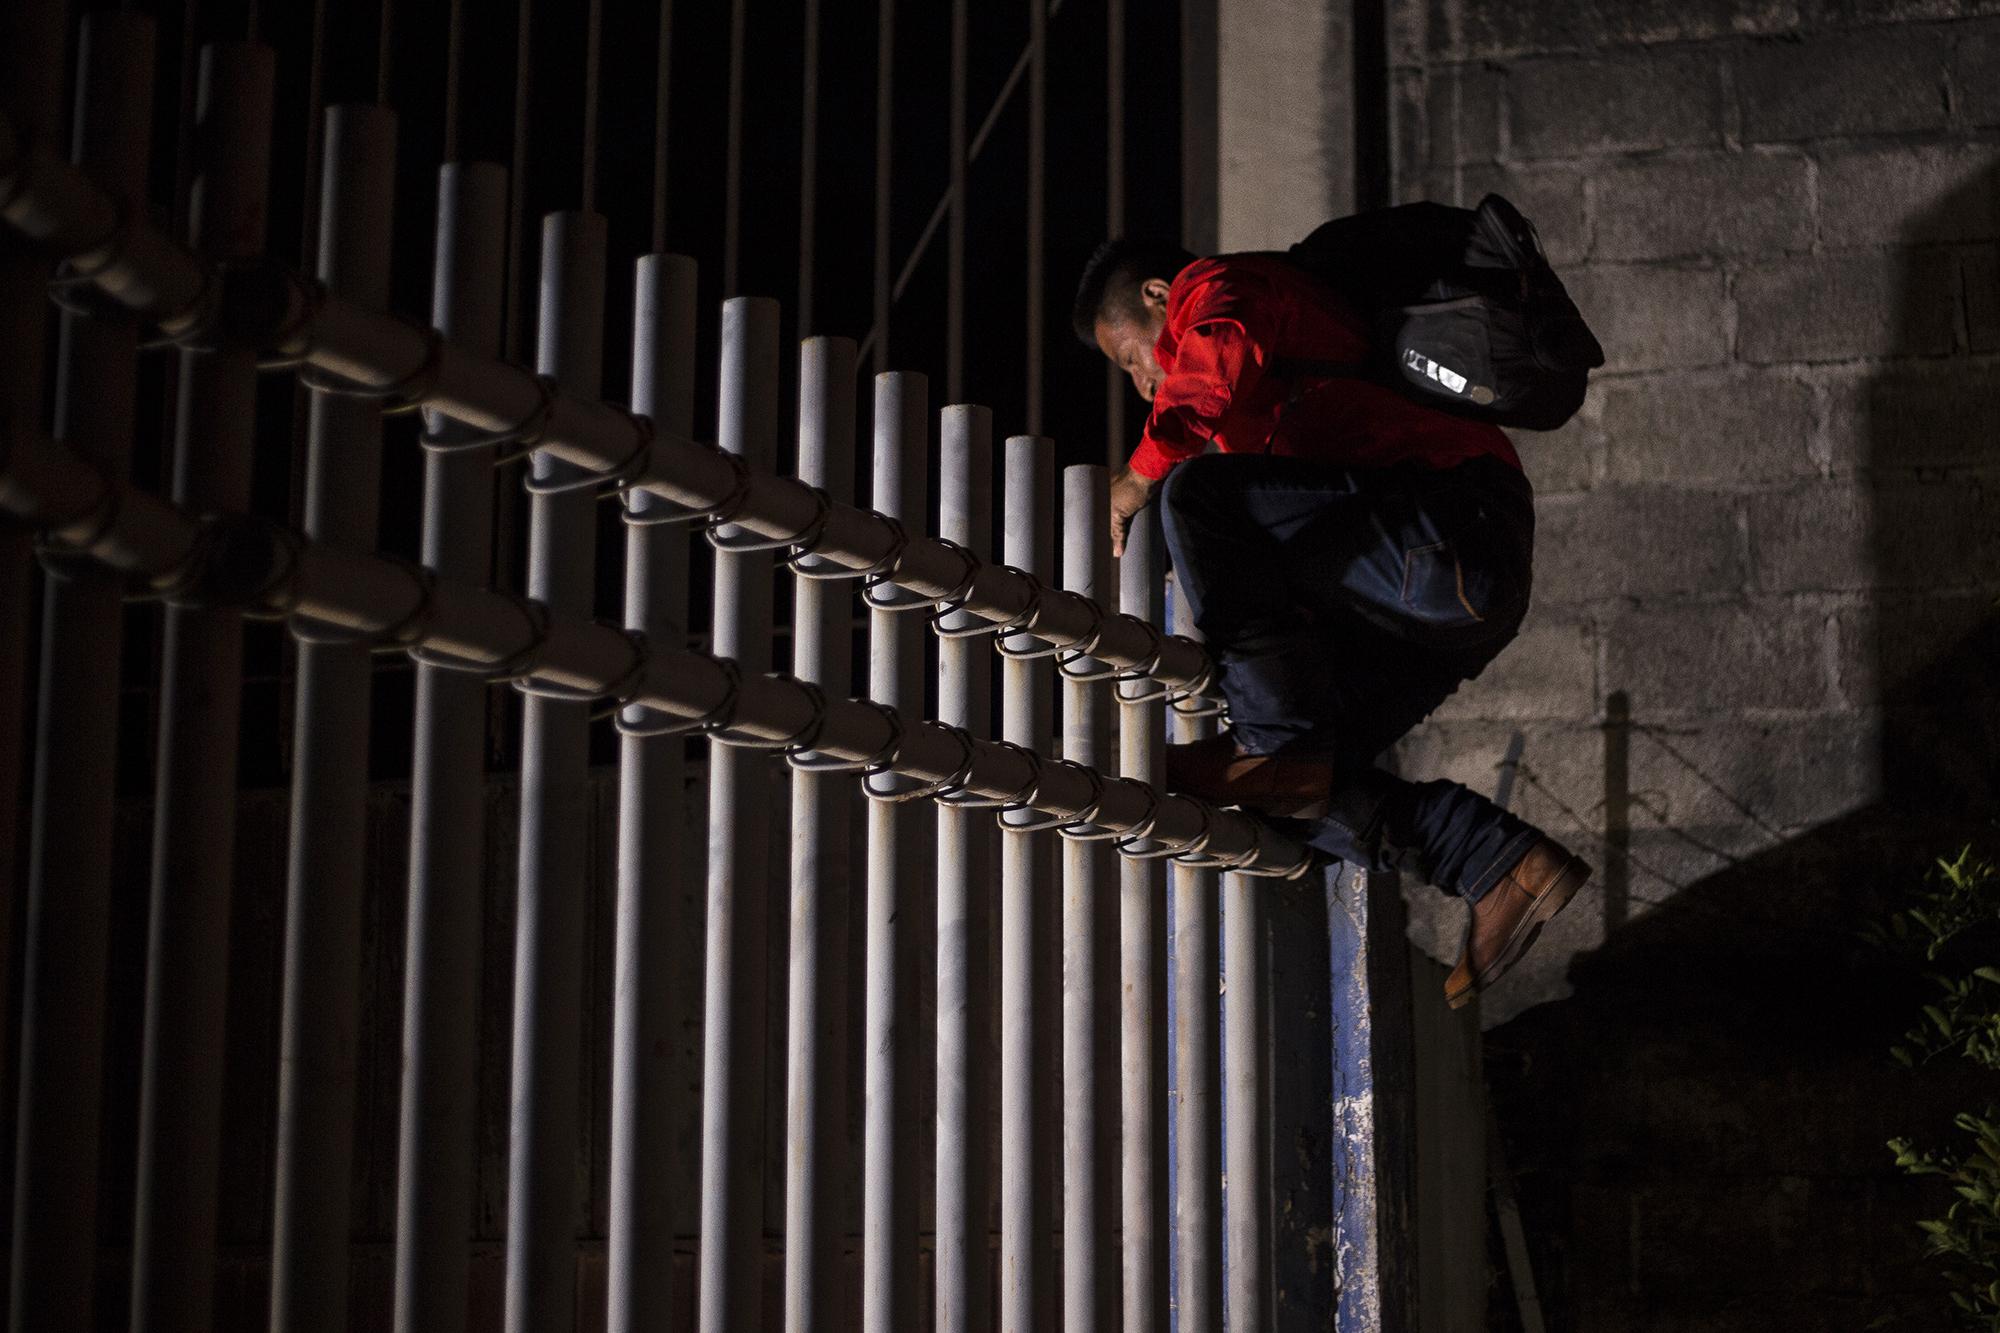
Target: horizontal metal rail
{"points": [[264, 568], [294, 319]]}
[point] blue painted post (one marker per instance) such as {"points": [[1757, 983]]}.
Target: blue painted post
{"points": [[1373, 1099]]}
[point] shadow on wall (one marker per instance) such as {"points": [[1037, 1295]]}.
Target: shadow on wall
{"points": [[1698, 1131]]}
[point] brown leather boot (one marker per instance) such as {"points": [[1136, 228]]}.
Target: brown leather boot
{"points": [[1217, 771], [1511, 914]]}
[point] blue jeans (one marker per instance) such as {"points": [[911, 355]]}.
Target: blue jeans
{"points": [[1342, 606]]}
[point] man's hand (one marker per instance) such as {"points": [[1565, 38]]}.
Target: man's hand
{"points": [[1130, 493]]}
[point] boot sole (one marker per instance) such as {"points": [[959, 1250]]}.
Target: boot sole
{"points": [[1573, 876]]}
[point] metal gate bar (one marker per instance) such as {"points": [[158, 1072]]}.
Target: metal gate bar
{"points": [[435, 1158], [1090, 941], [818, 1181], [740, 789], [1029, 1032], [652, 837], [31, 71], [194, 809], [1142, 966], [553, 878], [892, 1159], [69, 853], [1196, 1107], [323, 881], [965, 903]]}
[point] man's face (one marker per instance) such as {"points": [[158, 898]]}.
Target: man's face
{"points": [[1127, 337]]}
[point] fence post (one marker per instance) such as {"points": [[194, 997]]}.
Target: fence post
{"points": [[194, 809], [964, 908], [323, 900], [1196, 1122], [899, 894], [76, 743], [1090, 942], [652, 836], [1029, 1037], [1143, 967], [732, 1079], [818, 1179], [551, 916]]}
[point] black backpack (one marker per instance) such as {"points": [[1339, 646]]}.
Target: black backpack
{"points": [[1467, 315]]}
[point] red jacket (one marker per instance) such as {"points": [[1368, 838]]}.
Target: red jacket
{"points": [[1227, 318]]}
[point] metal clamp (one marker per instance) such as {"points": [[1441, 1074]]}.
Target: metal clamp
{"points": [[507, 669], [409, 390], [527, 432], [875, 763], [617, 479], [401, 635], [805, 538], [879, 577], [713, 720], [968, 753]]}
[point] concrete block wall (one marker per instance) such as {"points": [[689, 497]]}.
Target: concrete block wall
{"points": [[1773, 538]]}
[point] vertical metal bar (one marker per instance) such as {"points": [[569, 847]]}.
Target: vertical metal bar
{"points": [[1028, 1143], [550, 919], [808, 169], [954, 344], [517, 183], [964, 909], [1197, 1101], [662, 86], [76, 742], [1246, 1015], [1114, 210], [885, 105], [652, 824], [816, 1027], [1090, 947], [732, 190], [732, 1085], [31, 70], [593, 48], [1143, 968], [896, 881], [436, 1152], [330, 774], [180, 1096], [1037, 192]]}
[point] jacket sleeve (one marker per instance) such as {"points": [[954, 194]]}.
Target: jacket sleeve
{"points": [[1225, 343]]}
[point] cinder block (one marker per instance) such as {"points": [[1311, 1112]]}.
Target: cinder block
{"points": [[1839, 307], [1934, 416], [1876, 82], [1464, 110], [1551, 197], [1909, 195], [1578, 108], [1550, 671], [1769, 653], [1631, 542], [1711, 429], [1847, 12], [1494, 30], [1979, 288], [1654, 317], [1812, 538], [1687, 208], [1975, 73], [1881, 532]]}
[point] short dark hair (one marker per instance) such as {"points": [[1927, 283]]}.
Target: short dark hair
{"points": [[1112, 278]]}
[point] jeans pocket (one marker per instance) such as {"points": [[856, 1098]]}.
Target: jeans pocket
{"points": [[1434, 587]]}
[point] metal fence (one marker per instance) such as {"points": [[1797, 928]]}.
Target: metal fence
{"points": [[1039, 1145]]}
